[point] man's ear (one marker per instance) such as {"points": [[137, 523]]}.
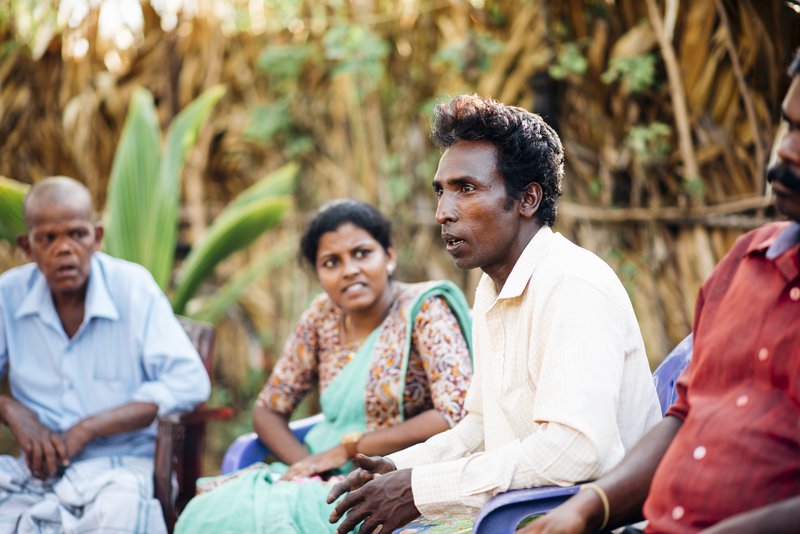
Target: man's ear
{"points": [[99, 232], [25, 244], [531, 200]]}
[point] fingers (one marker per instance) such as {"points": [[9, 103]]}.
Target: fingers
{"points": [[354, 517], [352, 482], [374, 464], [49, 460], [35, 460], [61, 449], [372, 524], [350, 500]]}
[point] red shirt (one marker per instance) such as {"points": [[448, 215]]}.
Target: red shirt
{"points": [[739, 445]]}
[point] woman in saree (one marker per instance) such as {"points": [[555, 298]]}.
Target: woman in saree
{"points": [[392, 363]]}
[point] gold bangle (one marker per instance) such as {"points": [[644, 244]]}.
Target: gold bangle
{"points": [[603, 497]]}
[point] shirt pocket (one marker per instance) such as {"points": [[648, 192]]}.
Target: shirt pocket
{"points": [[516, 404], [108, 393]]}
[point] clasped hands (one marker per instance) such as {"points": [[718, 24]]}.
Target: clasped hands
{"points": [[45, 451], [378, 494]]}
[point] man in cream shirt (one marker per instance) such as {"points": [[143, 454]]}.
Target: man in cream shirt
{"points": [[562, 386]]}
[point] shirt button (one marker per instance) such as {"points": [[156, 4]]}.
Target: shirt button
{"points": [[699, 453], [794, 294], [742, 401], [763, 354], [678, 512]]}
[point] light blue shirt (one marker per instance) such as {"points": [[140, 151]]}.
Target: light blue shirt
{"points": [[129, 348]]}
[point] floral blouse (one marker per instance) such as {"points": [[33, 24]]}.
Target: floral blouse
{"points": [[437, 376]]}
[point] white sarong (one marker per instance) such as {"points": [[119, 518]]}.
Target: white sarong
{"points": [[112, 494]]}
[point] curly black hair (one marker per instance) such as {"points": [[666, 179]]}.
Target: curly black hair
{"points": [[336, 213], [528, 149]]}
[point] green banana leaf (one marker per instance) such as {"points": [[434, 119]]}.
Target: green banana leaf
{"points": [[278, 182], [255, 210], [181, 137], [144, 189], [214, 307], [129, 229], [232, 231], [12, 223]]}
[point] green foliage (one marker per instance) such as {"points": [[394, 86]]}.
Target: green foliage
{"points": [[638, 72], [144, 188], [355, 49], [695, 187], [268, 121], [213, 308], [283, 62], [650, 143], [12, 223], [477, 49], [255, 210], [569, 60]]}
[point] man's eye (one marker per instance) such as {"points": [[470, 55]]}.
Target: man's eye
{"points": [[466, 188], [438, 191]]}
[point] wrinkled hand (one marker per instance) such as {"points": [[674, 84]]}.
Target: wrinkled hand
{"points": [[317, 463], [44, 451], [368, 467], [76, 438], [386, 501]]}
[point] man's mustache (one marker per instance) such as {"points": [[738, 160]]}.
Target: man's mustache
{"points": [[780, 172]]}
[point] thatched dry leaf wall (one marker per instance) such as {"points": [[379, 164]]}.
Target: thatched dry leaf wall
{"points": [[664, 169]]}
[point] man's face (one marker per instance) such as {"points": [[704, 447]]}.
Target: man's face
{"points": [[61, 240], [785, 175], [479, 220]]}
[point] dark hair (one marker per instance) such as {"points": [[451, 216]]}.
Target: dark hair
{"points": [[338, 212], [794, 66], [528, 149]]}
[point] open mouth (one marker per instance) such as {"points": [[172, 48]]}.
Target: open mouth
{"points": [[67, 270], [452, 243], [352, 288]]}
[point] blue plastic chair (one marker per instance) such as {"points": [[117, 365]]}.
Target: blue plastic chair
{"points": [[504, 512], [247, 449]]}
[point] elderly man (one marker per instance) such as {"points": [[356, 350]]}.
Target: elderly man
{"points": [[727, 456], [94, 353], [562, 387]]}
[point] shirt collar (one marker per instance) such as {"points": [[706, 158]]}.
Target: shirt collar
{"points": [[776, 244], [788, 238], [39, 300], [521, 273]]}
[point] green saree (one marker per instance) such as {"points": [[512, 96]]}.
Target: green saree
{"points": [[255, 500]]}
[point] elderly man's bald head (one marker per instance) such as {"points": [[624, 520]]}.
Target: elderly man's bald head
{"points": [[57, 191]]}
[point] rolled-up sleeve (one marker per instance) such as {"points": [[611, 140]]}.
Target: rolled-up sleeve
{"points": [[175, 378]]}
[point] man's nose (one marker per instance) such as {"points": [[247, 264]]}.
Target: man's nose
{"points": [[789, 148], [62, 246], [445, 211]]}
